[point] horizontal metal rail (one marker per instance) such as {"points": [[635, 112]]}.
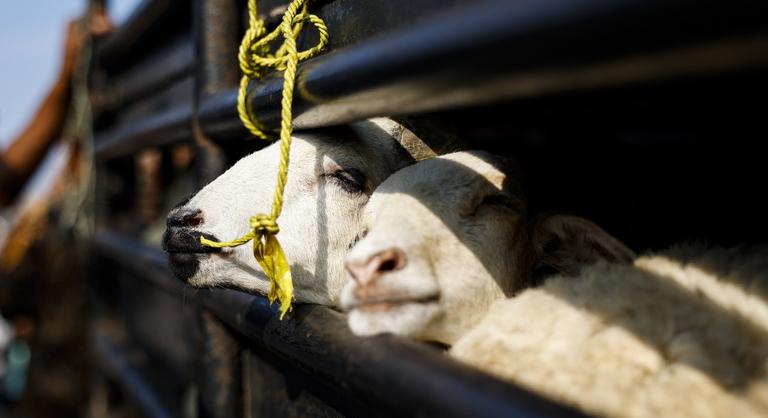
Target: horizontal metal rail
{"points": [[164, 67], [123, 44], [147, 263], [170, 126], [403, 377], [502, 50], [114, 361]]}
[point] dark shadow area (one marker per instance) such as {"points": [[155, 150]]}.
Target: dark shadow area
{"points": [[746, 268], [654, 164], [281, 389]]}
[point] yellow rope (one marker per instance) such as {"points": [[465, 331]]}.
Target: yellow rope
{"points": [[255, 61]]}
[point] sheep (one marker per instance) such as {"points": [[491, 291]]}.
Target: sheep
{"points": [[680, 333], [448, 258], [449, 236], [332, 174]]}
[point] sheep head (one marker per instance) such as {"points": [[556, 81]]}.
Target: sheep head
{"points": [[448, 237], [331, 176]]}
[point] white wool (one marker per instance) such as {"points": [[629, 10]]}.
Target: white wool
{"points": [[677, 334]]}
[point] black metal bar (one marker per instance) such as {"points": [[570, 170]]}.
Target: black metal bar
{"points": [[405, 378], [502, 50], [139, 29], [144, 262], [115, 362], [157, 312], [163, 68], [220, 371], [216, 28], [216, 34], [167, 127]]}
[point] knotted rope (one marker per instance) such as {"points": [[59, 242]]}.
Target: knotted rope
{"points": [[256, 60]]}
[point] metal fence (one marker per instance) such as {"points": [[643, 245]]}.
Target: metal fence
{"points": [[563, 85]]}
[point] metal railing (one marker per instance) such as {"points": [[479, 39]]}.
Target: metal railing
{"points": [[426, 56], [388, 374]]}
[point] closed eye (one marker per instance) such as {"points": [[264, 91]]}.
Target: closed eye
{"points": [[350, 180]]}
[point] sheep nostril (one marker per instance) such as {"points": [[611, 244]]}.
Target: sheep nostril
{"points": [[186, 220], [388, 265], [192, 219], [388, 260], [379, 264]]}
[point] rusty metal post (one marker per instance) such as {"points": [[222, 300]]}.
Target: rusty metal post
{"points": [[148, 184], [219, 380], [215, 31]]}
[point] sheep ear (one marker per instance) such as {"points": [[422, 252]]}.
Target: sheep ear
{"points": [[564, 244]]}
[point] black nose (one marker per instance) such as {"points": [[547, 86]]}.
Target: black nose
{"points": [[183, 246], [180, 219], [182, 237], [186, 240]]}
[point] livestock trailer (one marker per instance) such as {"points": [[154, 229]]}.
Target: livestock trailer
{"points": [[644, 115]]}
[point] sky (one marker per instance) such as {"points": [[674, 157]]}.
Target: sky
{"points": [[31, 42]]}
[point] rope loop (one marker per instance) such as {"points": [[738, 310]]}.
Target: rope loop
{"points": [[263, 224], [256, 60]]}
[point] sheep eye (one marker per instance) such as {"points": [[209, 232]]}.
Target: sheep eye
{"points": [[350, 180]]}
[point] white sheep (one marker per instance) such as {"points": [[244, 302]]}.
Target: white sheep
{"points": [[448, 237], [681, 333], [332, 174]]}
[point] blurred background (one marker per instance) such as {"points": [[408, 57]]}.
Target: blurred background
{"points": [[31, 41], [34, 43]]}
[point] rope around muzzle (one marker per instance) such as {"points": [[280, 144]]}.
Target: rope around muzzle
{"points": [[256, 60]]}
